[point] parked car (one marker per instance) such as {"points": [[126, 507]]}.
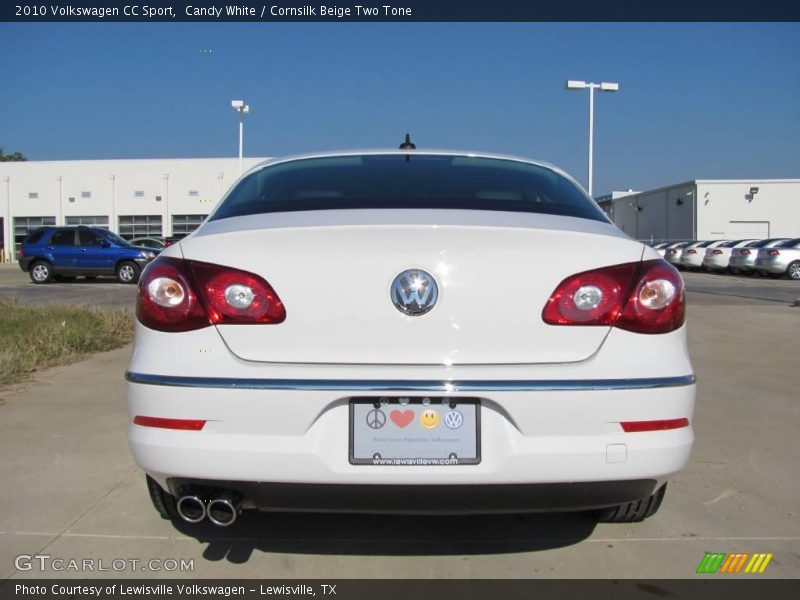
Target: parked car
{"points": [[661, 248], [692, 255], [364, 350], [66, 252], [673, 253], [154, 243], [743, 260], [782, 259], [716, 259]]}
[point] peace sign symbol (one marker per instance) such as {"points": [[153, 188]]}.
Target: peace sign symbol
{"points": [[376, 419]]}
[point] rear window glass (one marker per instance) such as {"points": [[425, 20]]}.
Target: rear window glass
{"points": [[400, 181], [789, 243], [35, 237]]}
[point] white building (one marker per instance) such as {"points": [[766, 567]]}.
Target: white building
{"points": [[162, 197], [706, 209]]}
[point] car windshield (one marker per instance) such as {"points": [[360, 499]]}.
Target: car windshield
{"points": [[407, 181], [113, 237]]}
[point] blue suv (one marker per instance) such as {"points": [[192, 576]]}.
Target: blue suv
{"points": [[62, 253]]}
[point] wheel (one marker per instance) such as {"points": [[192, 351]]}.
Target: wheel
{"points": [[128, 272], [41, 272], [164, 502], [632, 512], [734, 270], [793, 272]]}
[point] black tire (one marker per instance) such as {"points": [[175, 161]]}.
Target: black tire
{"points": [[793, 270], [733, 270], [40, 271], [633, 512], [164, 502], [128, 272]]}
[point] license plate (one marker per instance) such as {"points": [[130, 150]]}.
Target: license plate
{"points": [[418, 431]]}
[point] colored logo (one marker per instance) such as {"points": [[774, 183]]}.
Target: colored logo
{"points": [[736, 562], [429, 419], [454, 419], [401, 418], [376, 419]]}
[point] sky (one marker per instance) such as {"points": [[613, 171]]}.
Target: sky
{"points": [[696, 100]]}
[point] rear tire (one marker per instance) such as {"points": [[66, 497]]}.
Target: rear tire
{"points": [[164, 502], [128, 272], [633, 512], [793, 271], [41, 272]]}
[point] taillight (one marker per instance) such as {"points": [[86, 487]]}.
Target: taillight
{"points": [[646, 297], [183, 295], [21, 252], [773, 252], [717, 252], [745, 252], [691, 251]]}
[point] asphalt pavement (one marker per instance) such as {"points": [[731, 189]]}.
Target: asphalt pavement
{"points": [[71, 490]]}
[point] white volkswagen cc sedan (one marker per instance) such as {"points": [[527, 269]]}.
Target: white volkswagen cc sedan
{"points": [[409, 331]]}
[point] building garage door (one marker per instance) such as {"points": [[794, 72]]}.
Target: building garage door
{"points": [[755, 230]]}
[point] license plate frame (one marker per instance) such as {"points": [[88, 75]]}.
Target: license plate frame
{"points": [[413, 433]]}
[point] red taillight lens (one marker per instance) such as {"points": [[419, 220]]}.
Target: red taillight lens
{"points": [[745, 252], [183, 295], [236, 297], [660, 425], [161, 423], [646, 297], [773, 252], [691, 251], [717, 252]]}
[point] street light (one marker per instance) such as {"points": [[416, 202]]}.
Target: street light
{"points": [[605, 86], [242, 108]]}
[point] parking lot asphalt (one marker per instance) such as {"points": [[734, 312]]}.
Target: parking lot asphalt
{"points": [[70, 489]]}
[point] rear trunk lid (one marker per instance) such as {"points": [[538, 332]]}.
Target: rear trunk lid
{"points": [[333, 270]]}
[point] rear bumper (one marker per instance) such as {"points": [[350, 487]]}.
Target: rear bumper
{"points": [[716, 262], [281, 436], [24, 262], [771, 265], [433, 499], [744, 264]]}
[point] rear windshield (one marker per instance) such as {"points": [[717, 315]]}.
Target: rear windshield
{"points": [[789, 243], [763, 243], [400, 181]]}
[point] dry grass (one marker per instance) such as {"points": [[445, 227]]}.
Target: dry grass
{"points": [[34, 338]]}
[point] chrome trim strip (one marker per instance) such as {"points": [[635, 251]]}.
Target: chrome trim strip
{"points": [[410, 385]]}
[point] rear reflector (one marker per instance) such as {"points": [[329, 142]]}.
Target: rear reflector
{"points": [[662, 425], [184, 424]]}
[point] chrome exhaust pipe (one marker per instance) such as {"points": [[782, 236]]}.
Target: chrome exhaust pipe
{"points": [[224, 509], [191, 508]]}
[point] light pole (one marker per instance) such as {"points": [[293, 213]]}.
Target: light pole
{"points": [[242, 108], [603, 87]]}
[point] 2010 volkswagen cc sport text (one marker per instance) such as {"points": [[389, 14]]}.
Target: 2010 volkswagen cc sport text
{"points": [[409, 331]]}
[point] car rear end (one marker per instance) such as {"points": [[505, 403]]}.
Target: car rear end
{"points": [[743, 260], [674, 253], [412, 357], [783, 259]]}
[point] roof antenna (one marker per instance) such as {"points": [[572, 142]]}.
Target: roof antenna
{"points": [[408, 144]]}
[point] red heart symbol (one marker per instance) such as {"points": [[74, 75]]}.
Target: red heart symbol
{"points": [[402, 418]]}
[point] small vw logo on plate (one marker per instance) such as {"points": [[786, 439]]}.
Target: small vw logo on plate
{"points": [[414, 292], [454, 419]]}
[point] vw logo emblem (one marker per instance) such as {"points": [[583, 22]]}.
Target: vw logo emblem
{"points": [[414, 292], [454, 419]]}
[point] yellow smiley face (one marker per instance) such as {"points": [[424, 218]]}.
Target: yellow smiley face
{"points": [[429, 419]]}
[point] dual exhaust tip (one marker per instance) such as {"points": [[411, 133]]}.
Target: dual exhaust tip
{"points": [[221, 510]]}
